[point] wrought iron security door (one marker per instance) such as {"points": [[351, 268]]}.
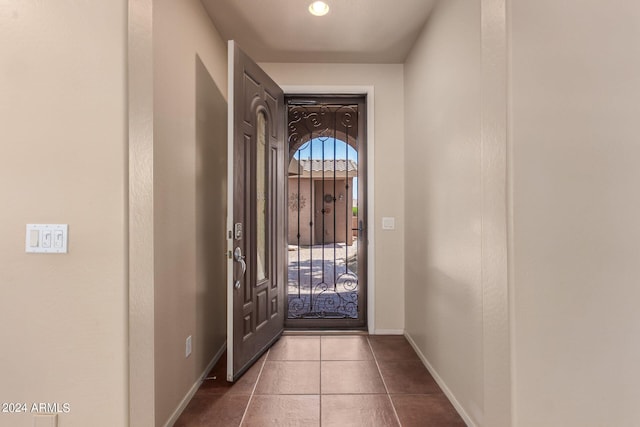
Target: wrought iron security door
{"points": [[326, 213]]}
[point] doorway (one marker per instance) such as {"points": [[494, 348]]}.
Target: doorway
{"points": [[326, 208], [263, 152]]}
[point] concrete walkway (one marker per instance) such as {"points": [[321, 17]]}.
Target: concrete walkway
{"points": [[323, 281]]}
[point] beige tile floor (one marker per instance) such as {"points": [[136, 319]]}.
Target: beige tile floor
{"points": [[323, 381]]}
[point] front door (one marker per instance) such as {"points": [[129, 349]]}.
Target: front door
{"points": [[255, 305]]}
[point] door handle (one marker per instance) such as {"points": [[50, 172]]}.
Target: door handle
{"points": [[237, 255]]}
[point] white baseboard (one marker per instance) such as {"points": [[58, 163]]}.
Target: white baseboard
{"points": [[388, 332], [194, 388], [441, 383]]}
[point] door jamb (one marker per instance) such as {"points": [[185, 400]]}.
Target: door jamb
{"points": [[230, 172], [368, 92]]}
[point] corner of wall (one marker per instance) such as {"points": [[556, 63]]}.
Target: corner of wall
{"points": [[455, 205], [141, 255], [189, 180]]}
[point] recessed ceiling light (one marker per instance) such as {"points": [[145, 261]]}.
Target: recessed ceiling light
{"points": [[319, 8]]}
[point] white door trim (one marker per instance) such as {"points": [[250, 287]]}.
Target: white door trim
{"points": [[368, 91]]}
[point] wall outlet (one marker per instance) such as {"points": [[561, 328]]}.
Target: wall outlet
{"points": [[45, 420], [187, 350]]}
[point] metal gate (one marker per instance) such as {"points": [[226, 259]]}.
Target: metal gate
{"points": [[326, 213]]}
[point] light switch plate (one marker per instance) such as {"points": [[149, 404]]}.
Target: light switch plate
{"points": [[388, 223], [47, 238]]}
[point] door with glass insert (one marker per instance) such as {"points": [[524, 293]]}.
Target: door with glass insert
{"points": [[255, 306]]}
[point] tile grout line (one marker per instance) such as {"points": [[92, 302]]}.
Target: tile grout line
{"points": [[375, 359], [253, 390]]}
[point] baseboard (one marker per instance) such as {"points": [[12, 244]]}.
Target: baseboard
{"points": [[194, 388], [321, 332], [441, 383], [388, 332]]}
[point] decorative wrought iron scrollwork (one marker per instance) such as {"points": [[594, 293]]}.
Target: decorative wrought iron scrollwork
{"points": [[322, 280], [320, 121]]}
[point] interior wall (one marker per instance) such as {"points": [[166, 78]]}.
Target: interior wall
{"points": [[211, 215], [63, 160], [443, 203], [389, 179], [575, 86], [190, 81], [140, 206]]}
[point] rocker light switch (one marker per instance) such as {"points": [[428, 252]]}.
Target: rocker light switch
{"points": [[34, 238]]}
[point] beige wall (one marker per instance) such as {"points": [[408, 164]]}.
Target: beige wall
{"points": [[389, 179], [63, 160], [574, 76], [575, 90], [443, 204], [190, 76]]}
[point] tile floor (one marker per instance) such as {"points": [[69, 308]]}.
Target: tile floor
{"points": [[325, 381]]}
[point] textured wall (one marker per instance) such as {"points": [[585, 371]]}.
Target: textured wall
{"points": [[443, 204], [190, 78], [575, 90], [457, 206], [63, 160]]}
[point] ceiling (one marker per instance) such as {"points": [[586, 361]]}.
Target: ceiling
{"points": [[354, 31]]}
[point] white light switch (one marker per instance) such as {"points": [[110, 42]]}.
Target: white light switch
{"points": [[47, 238], [388, 223], [34, 238]]}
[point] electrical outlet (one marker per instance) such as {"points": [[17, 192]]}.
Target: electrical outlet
{"points": [[187, 350], [45, 420]]}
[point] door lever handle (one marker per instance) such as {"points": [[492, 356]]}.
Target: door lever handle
{"points": [[237, 255]]}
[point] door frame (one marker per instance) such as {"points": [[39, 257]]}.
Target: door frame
{"points": [[368, 93]]}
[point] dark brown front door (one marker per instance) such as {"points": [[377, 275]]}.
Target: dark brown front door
{"points": [[255, 309]]}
